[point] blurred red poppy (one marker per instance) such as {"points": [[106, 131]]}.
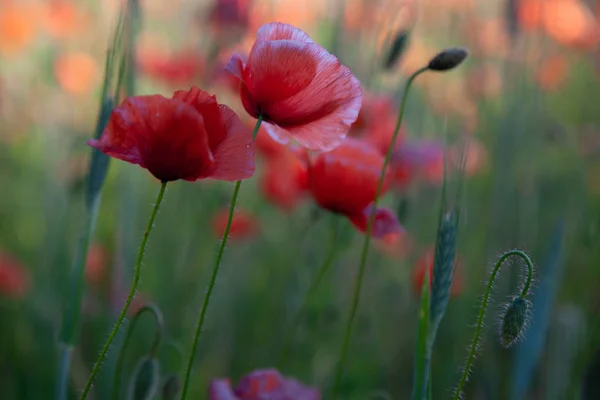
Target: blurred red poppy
{"points": [[189, 136], [243, 225], [176, 69], [228, 14], [95, 266], [426, 262], [262, 384], [14, 280], [285, 179], [418, 160], [300, 89], [376, 122], [345, 180]]}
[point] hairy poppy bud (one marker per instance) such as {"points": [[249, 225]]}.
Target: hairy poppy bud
{"points": [[514, 321], [144, 381], [448, 59], [171, 387]]}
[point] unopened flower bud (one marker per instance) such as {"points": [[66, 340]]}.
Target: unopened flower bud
{"points": [[144, 381], [171, 387], [448, 59], [514, 321]]}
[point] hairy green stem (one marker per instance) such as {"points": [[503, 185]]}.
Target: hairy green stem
{"points": [[486, 297], [136, 279], [313, 288], [367, 242], [213, 277], [157, 339]]}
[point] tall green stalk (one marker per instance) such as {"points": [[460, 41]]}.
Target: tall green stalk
{"points": [[136, 279], [213, 277], [367, 242]]}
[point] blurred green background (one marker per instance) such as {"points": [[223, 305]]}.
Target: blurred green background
{"points": [[525, 103]]}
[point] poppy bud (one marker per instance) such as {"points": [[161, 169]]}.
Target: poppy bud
{"points": [[514, 321], [397, 50], [144, 382], [171, 387], [448, 59]]}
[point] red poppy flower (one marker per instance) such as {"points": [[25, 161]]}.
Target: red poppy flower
{"points": [[262, 384], [267, 146], [418, 160], [243, 225], [300, 89], [426, 262], [189, 136], [376, 121], [345, 181], [285, 179], [176, 69], [14, 280]]}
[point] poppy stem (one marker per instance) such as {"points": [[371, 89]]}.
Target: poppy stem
{"points": [[136, 279], [213, 277], [486, 297], [367, 242], [331, 255]]}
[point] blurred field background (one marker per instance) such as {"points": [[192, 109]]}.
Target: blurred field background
{"points": [[526, 103]]}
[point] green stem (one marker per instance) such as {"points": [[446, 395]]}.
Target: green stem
{"points": [[213, 277], [482, 309], [367, 242], [157, 338], [72, 313], [313, 288], [136, 279]]}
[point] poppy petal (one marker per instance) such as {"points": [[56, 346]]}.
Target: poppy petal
{"points": [[385, 222], [235, 66], [280, 31], [208, 107], [220, 389], [277, 133], [259, 383], [234, 157], [278, 70], [321, 114]]}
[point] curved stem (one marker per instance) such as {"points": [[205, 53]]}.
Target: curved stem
{"points": [[482, 309], [213, 277], [367, 242], [313, 288], [136, 279], [157, 338]]}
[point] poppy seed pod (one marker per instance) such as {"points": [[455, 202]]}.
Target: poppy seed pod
{"points": [[448, 59]]}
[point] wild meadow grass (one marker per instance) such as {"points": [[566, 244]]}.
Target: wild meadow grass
{"points": [[447, 248]]}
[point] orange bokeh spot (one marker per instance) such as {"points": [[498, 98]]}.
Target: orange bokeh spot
{"points": [[17, 28], [76, 72]]}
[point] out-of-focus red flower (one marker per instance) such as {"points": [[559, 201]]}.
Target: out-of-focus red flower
{"points": [[229, 14], [345, 180], [571, 23], [243, 225], [95, 266], [262, 385], [376, 121], [17, 28], [14, 280], [418, 160], [76, 72], [552, 72], [189, 136], [300, 89], [179, 68], [267, 146], [426, 262], [285, 179]]}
